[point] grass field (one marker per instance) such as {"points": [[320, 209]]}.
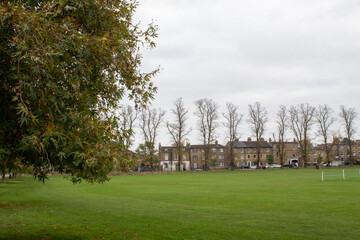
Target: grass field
{"points": [[258, 204]]}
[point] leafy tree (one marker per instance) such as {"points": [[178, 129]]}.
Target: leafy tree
{"points": [[270, 159], [319, 160], [65, 66], [145, 156]]}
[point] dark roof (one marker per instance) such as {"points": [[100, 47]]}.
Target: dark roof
{"points": [[251, 144], [203, 146]]}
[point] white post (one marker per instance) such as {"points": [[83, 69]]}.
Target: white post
{"points": [[322, 176], [344, 174]]}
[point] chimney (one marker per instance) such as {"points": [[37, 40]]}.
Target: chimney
{"points": [[261, 139], [249, 139], [236, 139], [216, 142], [269, 140], [294, 140]]}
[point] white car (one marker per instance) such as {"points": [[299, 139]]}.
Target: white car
{"points": [[275, 166]]}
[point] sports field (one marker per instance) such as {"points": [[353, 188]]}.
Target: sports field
{"points": [[255, 204]]}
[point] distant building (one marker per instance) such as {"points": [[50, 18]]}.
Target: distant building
{"points": [[291, 152], [245, 152], [217, 159], [169, 158]]}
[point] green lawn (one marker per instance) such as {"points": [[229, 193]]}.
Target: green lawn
{"points": [[258, 204]]}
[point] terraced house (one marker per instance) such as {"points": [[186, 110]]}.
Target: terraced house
{"points": [[245, 154], [289, 149], [169, 158]]}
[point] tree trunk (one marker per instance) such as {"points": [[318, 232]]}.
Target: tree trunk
{"points": [[3, 177]]}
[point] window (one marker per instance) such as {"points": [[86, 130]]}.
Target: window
{"points": [[242, 150], [294, 155], [354, 153], [235, 150], [342, 159], [213, 150], [267, 150], [248, 150], [194, 150], [166, 157], [342, 153], [242, 156], [221, 164], [203, 158], [267, 156], [176, 157], [235, 158], [184, 157], [342, 146], [195, 158], [202, 150], [248, 156], [221, 156], [254, 156], [195, 165], [277, 154], [221, 150], [293, 147], [166, 165]]}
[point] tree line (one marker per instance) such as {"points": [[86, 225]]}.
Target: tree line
{"points": [[298, 120]]}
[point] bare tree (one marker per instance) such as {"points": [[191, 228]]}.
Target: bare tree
{"points": [[282, 125], [128, 116], [301, 120], [177, 129], [207, 112], [324, 117], [150, 120], [233, 120], [257, 119], [349, 115]]}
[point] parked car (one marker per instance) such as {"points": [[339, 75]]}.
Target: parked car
{"points": [[275, 166]]}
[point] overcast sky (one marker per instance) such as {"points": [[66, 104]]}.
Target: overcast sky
{"points": [[274, 52]]}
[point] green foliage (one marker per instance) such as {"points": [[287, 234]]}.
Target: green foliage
{"points": [[270, 159], [319, 160], [213, 162], [64, 67], [145, 154]]}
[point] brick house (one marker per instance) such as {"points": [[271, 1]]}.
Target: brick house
{"points": [[245, 152], [217, 152], [169, 158]]}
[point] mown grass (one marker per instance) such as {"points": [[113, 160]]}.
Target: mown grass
{"points": [[258, 204]]}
